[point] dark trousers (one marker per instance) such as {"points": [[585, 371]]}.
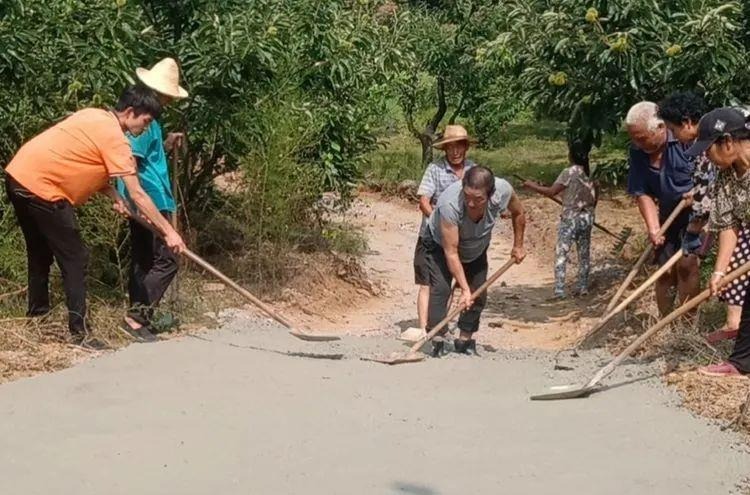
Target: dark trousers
{"points": [[440, 288], [740, 357], [152, 268], [51, 232]]}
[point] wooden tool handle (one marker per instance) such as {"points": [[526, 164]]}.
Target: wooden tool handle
{"points": [[596, 224], [687, 306], [594, 332], [216, 273], [482, 288], [646, 253]]}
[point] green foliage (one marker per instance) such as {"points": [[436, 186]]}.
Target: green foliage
{"points": [[598, 58], [320, 66], [452, 70], [612, 173]]}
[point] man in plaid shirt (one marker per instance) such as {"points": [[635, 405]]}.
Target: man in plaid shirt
{"points": [[437, 177]]}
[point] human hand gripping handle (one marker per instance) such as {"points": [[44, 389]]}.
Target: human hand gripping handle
{"points": [[518, 253], [656, 237]]}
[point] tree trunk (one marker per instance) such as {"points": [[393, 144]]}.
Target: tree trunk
{"points": [[426, 136]]}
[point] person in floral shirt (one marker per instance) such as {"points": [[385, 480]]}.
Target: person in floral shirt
{"points": [[681, 113], [724, 135]]}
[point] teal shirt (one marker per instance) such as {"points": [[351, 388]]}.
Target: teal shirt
{"points": [[153, 172]]}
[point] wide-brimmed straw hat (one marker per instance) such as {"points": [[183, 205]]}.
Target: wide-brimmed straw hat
{"points": [[452, 134], [163, 77]]}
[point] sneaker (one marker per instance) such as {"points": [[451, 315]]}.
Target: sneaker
{"points": [[468, 346], [719, 335], [558, 296], [724, 370], [438, 347], [412, 334], [87, 341]]}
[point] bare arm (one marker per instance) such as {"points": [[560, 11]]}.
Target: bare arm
{"points": [[449, 235], [518, 218], [727, 243], [550, 191], [424, 206], [147, 208], [650, 213]]}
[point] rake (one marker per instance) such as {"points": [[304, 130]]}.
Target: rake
{"points": [[576, 391], [622, 237]]}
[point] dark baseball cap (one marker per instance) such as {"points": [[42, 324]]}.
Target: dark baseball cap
{"points": [[718, 123]]}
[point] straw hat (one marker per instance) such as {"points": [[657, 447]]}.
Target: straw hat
{"points": [[163, 77], [452, 134]]}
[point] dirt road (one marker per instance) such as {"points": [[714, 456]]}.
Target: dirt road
{"points": [[228, 412]]}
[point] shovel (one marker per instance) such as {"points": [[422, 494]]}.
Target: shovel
{"points": [[595, 333], [240, 290], [412, 356], [646, 253], [622, 237], [576, 391]]}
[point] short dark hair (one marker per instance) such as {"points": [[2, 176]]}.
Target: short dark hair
{"points": [[682, 106], [479, 177], [141, 99], [578, 154]]}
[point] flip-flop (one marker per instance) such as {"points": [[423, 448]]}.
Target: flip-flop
{"points": [[130, 331]]}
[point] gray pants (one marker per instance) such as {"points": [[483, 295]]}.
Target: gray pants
{"points": [[440, 288]]}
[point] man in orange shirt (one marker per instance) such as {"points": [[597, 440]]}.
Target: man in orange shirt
{"points": [[62, 168]]}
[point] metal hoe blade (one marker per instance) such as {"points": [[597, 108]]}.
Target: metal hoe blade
{"points": [[396, 358], [310, 337], [567, 392]]}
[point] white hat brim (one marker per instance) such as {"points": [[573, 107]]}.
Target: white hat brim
{"points": [[147, 78]]}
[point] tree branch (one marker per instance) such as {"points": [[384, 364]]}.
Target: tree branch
{"points": [[441, 109], [457, 111]]}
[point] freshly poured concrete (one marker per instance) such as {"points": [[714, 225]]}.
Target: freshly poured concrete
{"points": [[191, 416]]}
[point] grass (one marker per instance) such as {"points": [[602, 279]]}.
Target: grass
{"points": [[534, 150]]}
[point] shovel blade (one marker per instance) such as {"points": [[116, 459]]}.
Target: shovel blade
{"points": [[310, 337], [396, 358], [565, 392]]}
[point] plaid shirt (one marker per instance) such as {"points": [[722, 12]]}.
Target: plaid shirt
{"points": [[436, 179]]}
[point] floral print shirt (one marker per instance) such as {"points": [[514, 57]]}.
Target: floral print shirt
{"points": [[704, 176], [731, 201]]}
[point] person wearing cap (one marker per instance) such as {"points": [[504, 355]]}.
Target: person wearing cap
{"points": [[681, 113], [153, 266], [60, 169], [440, 174], [659, 174], [456, 240], [724, 135]]}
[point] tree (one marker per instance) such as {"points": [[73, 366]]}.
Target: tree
{"points": [[598, 58], [449, 69]]}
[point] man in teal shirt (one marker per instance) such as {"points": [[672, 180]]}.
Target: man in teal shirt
{"points": [[153, 266]]}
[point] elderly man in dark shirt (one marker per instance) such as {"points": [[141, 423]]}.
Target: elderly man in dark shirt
{"points": [[660, 175]]}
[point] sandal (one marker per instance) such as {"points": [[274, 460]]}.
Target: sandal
{"points": [[723, 334], [141, 334]]}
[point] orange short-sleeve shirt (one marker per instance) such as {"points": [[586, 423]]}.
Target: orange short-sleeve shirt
{"points": [[75, 158]]}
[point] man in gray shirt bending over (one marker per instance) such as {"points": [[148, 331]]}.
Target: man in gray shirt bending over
{"points": [[458, 235]]}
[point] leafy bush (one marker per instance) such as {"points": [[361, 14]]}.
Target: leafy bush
{"points": [[320, 66], [611, 173]]}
